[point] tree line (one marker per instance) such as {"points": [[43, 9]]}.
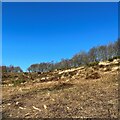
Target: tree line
{"points": [[94, 55], [11, 68]]}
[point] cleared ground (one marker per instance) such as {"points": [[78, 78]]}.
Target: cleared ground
{"points": [[84, 92]]}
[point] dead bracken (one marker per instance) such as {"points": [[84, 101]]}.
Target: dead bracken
{"points": [[81, 92]]}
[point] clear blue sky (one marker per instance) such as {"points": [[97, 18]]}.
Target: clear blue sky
{"points": [[42, 32]]}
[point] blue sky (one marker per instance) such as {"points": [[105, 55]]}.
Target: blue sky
{"points": [[42, 32]]}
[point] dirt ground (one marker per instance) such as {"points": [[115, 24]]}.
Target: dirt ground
{"points": [[75, 96]]}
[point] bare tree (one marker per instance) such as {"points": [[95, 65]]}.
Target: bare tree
{"points": [[92, 54]]}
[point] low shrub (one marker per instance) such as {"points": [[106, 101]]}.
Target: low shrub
{"points": [[18, 82], [92, 64], [110, 59]]}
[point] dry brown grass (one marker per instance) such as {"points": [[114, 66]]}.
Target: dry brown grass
{"points": [[62, 98]]}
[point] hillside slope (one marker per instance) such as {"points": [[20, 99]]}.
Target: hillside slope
{"points": [[82, 92]]}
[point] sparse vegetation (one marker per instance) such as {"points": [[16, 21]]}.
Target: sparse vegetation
{"points": [[83, 86], [93, 64], [86, 91], [18, 82]]}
